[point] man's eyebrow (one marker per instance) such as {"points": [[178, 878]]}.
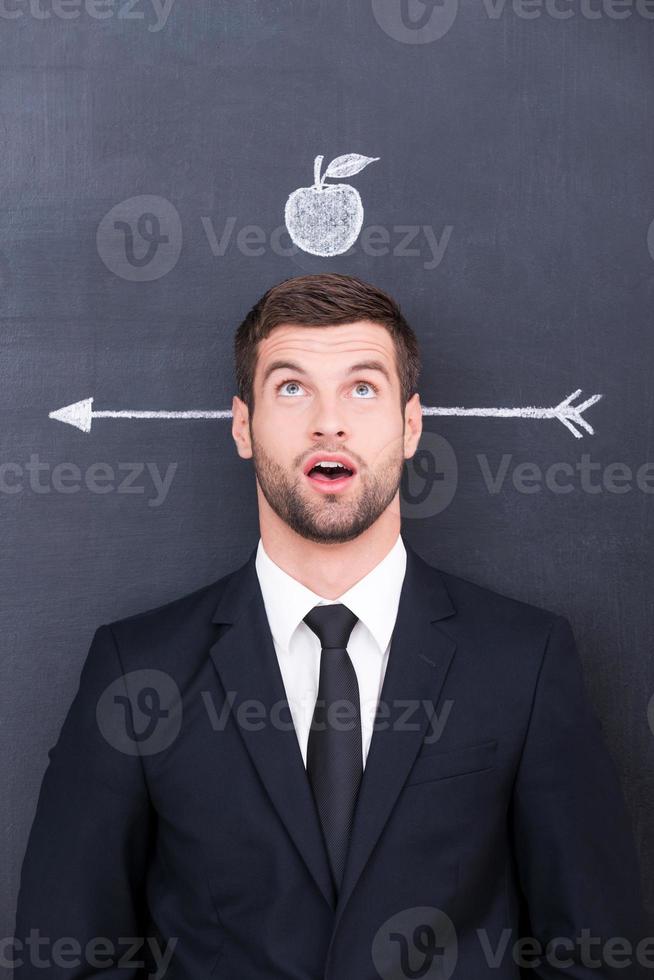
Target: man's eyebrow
{"points": [[359, 366]]}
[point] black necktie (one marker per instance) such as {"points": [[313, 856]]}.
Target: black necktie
{"points": [[334, 760]]}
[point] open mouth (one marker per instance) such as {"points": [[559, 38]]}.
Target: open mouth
{"points": [[330, 476]]}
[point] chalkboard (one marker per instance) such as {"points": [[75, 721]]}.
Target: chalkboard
{"points": [[498, 155]]}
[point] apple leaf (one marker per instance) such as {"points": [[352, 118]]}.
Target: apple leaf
{"points": [[347, 165]]}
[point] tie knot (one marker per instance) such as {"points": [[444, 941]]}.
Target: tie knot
{"points": [[332, 623]]}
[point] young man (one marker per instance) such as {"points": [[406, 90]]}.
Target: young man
{"points": [[337, 760]]}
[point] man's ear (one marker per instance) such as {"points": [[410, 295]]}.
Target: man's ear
{"points": [[241, 428], [412, 425]]}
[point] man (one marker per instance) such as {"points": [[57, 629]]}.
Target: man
{"points": [[336, 761]]}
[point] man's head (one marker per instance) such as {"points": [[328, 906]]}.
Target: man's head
{"points": [[331, 366]]}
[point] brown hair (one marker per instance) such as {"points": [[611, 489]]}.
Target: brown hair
{"points": [[323, 300]]}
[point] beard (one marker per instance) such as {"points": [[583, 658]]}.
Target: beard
{"points": [[323, 517]]}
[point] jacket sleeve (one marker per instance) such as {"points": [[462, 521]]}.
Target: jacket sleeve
{"points": [[82, 878], [573, 840]]}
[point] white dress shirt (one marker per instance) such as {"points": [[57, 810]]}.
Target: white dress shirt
{"points": [[374, 599]]}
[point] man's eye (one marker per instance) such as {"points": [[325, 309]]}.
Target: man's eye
{"points": [[282, 383], [368, 384]]}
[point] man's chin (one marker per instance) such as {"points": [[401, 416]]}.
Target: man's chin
{"points": [[333, 530], [329, 535]]}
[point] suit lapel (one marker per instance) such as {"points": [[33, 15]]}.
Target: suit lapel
{"points": [[419, 658], [245, 658]]}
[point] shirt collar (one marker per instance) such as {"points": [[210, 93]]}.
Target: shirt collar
{"points": [[374, 599]]}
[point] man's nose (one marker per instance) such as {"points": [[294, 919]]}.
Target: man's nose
{"points": [[328, 419], [328, 423]]}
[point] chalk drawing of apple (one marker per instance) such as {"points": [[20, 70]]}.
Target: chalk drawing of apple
{"points": [[326, 219]]}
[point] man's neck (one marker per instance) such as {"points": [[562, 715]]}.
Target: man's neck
{"points": [[329, 570]]}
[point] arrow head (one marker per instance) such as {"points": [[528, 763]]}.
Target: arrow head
{"points": [[571, 415], [79, 414]]}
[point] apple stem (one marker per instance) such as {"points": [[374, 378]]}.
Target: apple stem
{"points": [[317, 163]]}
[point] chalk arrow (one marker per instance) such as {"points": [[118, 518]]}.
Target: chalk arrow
{"points": [[570, 415], [81, 414]]}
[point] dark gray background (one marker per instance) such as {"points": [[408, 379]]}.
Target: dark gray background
{"points": [[531, 136]]}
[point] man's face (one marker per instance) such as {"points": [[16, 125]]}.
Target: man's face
{"points": [[318, 404]]}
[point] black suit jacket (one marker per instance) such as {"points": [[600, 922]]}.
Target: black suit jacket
{"points": [[511, 823]]}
